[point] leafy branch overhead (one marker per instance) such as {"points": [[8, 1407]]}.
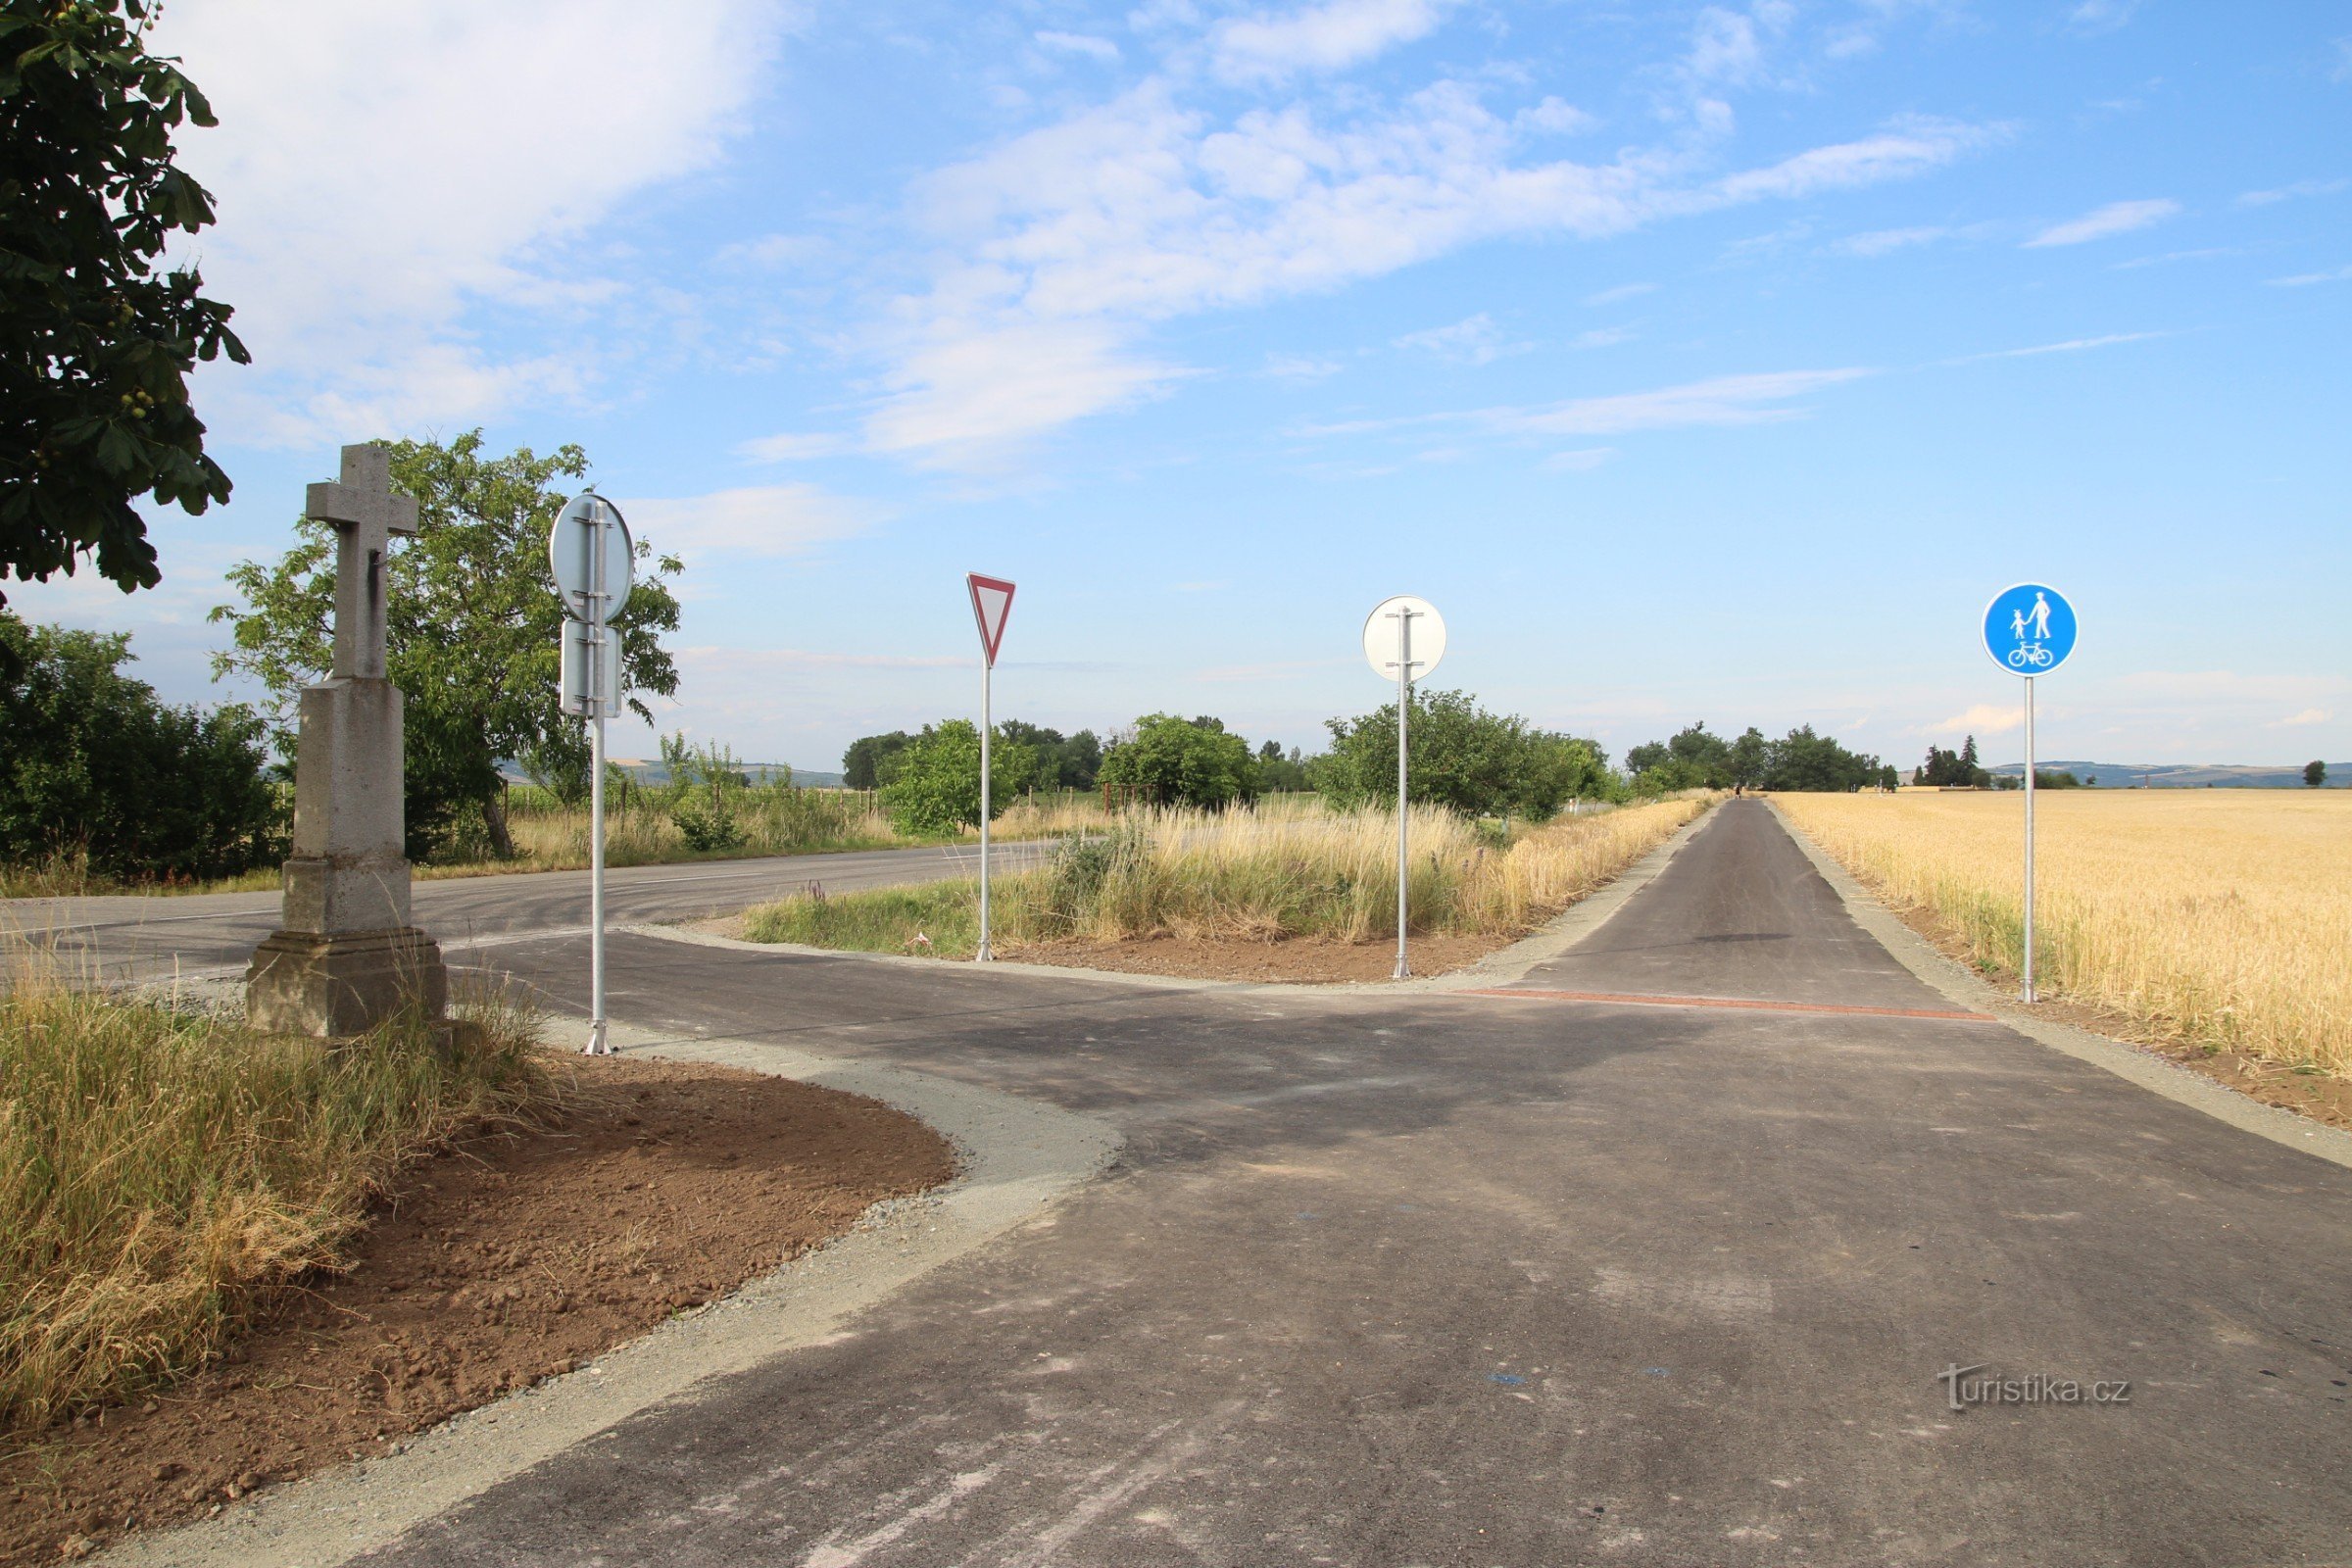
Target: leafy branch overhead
{"points": [[96, 343]]}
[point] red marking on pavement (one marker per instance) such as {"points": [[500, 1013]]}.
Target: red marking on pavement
{"points": [[1630, 999]]}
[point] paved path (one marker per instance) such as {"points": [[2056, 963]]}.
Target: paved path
{"points": [[142, 937], [1388, 1278]]}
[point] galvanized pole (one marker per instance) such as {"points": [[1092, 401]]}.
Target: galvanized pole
{"points": [[987, 669], [1404, 703], [598, 1043], [2029, 966]]}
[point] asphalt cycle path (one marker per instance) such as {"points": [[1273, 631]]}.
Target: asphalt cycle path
{"points": [[1526, 1277], [145, 937]]}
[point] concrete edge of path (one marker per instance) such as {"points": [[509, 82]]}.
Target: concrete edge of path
{"points": [[1968, 988], [1018, 1157], [1500, 968]]}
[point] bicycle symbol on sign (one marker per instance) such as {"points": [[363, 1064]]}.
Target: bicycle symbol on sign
{"points": [[2030, 626]]}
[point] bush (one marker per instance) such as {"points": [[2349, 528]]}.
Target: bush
{"points": [[94, 766], [1462, 756], [1181, 762], [933, 785]]}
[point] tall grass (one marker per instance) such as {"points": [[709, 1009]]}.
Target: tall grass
{"points": [[162, 1171], [1251, 876], [2215, 918]]}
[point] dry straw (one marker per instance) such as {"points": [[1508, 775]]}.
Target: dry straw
{"points": [[2217, 917]]}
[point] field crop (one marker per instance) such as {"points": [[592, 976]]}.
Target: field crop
{"points": [[162, 1172], [1252, 876], [2216, 917]]}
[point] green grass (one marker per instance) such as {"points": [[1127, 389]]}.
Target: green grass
{"points": [[887, 920], [161, 1173]]}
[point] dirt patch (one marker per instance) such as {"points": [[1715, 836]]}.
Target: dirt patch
{"points": [[516, 1257], [2321, 1097], [1311, 961]]}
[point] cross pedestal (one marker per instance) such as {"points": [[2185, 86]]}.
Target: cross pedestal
{"points": [[346, 956]]}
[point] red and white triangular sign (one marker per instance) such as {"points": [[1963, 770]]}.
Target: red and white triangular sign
{"points": [[992, 606]]}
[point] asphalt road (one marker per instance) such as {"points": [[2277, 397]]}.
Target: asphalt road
{"points": [[1529, 1278], [132, 937]]}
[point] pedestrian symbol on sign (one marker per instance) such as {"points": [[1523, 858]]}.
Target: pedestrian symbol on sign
{"points": [[2029, 630]]}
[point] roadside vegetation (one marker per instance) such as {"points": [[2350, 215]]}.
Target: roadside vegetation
{"points": [[164, 1172], [1264, 875], [2218, 918]]}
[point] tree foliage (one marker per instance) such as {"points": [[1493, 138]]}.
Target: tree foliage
{"points": [[2315, 774], [1181, 762], [1460, 755], [96, 344], [95, 765], [1952, 769], [932, 784], [1064, 762], [864, 764], [472, 629]]}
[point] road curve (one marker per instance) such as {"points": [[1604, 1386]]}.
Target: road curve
{"points": [[144, 937], [1527, 1278]]}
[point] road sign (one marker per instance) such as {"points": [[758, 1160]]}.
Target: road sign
{"points": [[992, 606], [589, 552], [587, 521], [2029, 630], [1385, 628], [590, 691]]}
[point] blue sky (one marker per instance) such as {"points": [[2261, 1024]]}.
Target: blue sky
{"points": [[1697, 361]]}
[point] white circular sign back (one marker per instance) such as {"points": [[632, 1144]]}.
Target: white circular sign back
{"points": [[1385, 633], [571, 553]]}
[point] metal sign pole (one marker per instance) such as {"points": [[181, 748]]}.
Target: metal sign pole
{"points": [[598, 1043], [2029, 964], [987, 669], [1404, 705]]}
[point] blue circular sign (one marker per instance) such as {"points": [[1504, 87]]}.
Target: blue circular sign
{"points": [[2029, 630]]}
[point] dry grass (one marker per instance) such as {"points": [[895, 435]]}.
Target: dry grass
{"points": [[1252, 876], [163, 1172], [2217, 917]]}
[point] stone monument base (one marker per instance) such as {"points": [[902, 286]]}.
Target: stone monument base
{"points": [[303, 983]]}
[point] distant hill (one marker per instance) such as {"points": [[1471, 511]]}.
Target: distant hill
{"points": [[2185, 775]]}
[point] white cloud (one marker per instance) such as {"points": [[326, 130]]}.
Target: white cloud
{"points": [[777, 519], [1331, 36], [2116, 217], [2072, 345], [2288, 193], [1621, 293], [1065, 245], [1724, 400], [1882, 241], [1726, 46], [1078, 43], [1601, 337], [1581, 460], [1476, 340], [2093, 17], [792, 447], [2309, 715], [1301, 367], [1983, 718], [2306, 279], [385, 164]]}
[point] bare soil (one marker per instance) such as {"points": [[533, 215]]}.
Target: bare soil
{"points": [[655, 1187], [2323, 1096], [1311, 961]]}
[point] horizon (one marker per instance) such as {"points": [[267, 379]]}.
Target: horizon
{"points": [[1712, 360]]}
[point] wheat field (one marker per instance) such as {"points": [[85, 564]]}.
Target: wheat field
{"points": [[2217, 917]]}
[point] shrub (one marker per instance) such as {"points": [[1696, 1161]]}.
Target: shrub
{"points": [[95, 767], [934, 783], [1461, 755], [1181, 762]]}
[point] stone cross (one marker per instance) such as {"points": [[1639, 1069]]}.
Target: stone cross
{"points": [[365, 513], [345, 958]]}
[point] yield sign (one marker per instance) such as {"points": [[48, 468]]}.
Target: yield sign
{"points": [[992, 602]]}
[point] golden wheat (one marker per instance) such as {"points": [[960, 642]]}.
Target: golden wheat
{"points": [[2219, 917]]}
